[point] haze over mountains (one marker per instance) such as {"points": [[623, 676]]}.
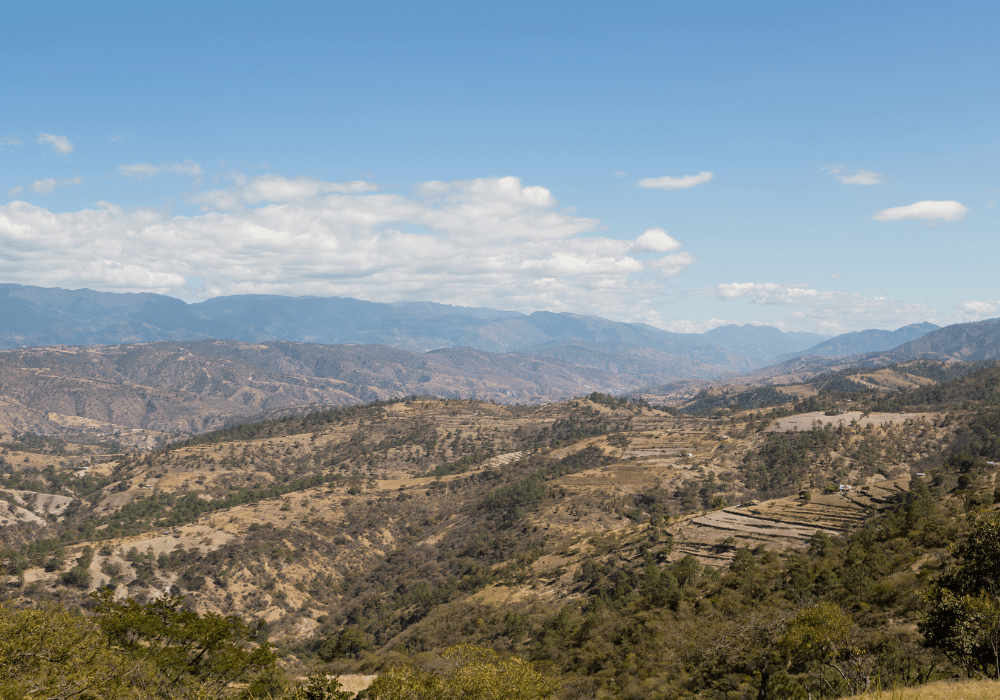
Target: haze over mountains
{"points": [[32, 316], [192, 386], [381, 350], [961, 342], [861, 342]]}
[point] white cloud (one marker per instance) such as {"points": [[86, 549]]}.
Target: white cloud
{"points": [[139, 170], [486, 242], [978, 310], [46, 186], [836, 276], [676, 183], [825, 311], [683, 325], [142, 171], [656, 240], [188, 167], [763, 292], [60, 144], [9, 141], [49, 184], [277, 189], [15, 191], [862, 177], [945, 211], [858, 177]]}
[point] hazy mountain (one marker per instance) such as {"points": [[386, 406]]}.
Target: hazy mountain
{"points": [[963, 341], [196, 385], [34, 316], [861, 342], [758, 344]]}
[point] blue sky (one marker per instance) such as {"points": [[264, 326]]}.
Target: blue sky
{"points": [[519, 155]]}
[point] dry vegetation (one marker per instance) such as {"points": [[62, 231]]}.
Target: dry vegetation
{"points": [[421, 523], [942, 690]]}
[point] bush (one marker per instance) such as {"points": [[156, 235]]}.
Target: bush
{"points": [[78, 577]]}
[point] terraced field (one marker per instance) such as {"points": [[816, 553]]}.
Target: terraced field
{"points": [[779, 524]]}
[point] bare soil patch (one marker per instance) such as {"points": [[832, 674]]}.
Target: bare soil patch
{"points": [[804, 421]]}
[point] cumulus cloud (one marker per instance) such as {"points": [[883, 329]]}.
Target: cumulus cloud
{"points": [[825, 311], [836, 276], [978, 310], [49, 184], [485, 242], [945, 211], [763, 292], [60, 144], [858, 177], [656, 240], [274, 188], [676, 183], [141, 171]]}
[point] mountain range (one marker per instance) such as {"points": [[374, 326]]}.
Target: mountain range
{"points": [[961, 342], [861, 342], [470, 351], [36, 316]]}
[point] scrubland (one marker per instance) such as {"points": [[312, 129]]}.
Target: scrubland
{"points": [[624, 549]]}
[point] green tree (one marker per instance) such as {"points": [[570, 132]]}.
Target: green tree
{"points": [[660, 588], [51, 653], [350, 642], [963, 615], [78, 576], [473, 673], [864, 562], [187, 652], [319, 687], [820, 640]]}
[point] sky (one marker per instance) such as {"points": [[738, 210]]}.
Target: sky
{"points": [[823, 167]]}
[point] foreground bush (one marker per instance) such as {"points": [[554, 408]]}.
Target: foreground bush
{"points": [[128, 650], [473, 673]]}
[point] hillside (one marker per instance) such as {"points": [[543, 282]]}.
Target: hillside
{"points": [[151, 391], [966, 342], [617, 545], [862, 342]]}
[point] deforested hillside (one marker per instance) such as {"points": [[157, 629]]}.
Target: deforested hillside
{"points": [[613, 544], [151, 392]]}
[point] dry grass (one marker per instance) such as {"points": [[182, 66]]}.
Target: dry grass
{"points": [[804, 421], [355, 683], [942, 690]]}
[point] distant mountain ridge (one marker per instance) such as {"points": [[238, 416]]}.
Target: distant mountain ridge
{"points": [[965, 342], [35, 316], [961, 342], [861, 342]]}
